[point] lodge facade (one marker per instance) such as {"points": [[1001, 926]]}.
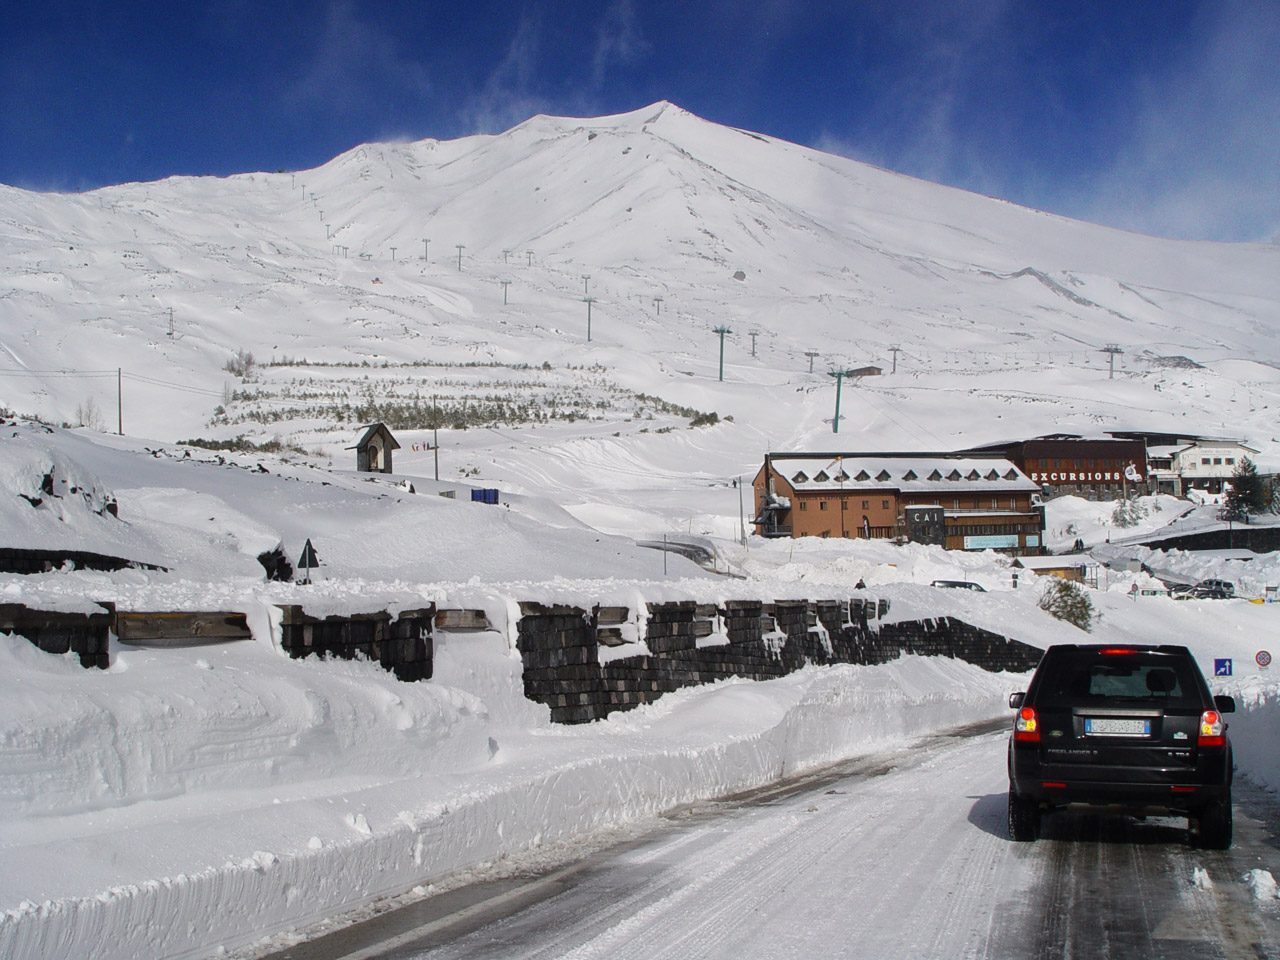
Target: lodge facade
{"points": [[954, 501], [1062, 464]]}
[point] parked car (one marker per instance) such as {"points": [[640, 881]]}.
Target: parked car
{"points": [[1127, 729], [960, 585], [1204, 590], [1214, 590]]}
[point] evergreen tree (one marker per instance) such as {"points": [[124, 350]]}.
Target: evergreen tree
{"points": [[1248, 493], [1069, 601]]}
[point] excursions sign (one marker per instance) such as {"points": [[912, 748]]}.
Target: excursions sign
{"points": [[1101, 476]]}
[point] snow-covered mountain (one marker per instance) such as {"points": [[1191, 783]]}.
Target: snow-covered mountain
{"points": [[675, 226]]}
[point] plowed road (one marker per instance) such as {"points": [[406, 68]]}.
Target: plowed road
{"points": [[902, 855]]}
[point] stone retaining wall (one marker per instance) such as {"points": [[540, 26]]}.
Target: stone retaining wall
{"points": [[579, 662], [686, 644], [402, 645], [85, 634]]}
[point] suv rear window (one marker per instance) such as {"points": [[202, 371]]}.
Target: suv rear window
{"points": [[1080, 676]]}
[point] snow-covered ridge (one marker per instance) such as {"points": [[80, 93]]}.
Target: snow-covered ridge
{"points": [[999, 311]]}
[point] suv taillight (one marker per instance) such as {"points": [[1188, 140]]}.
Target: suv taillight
{"points": [[1213, 729], [1027, 726]]}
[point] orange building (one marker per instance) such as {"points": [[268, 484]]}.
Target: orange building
{"points": [[961, 503]]}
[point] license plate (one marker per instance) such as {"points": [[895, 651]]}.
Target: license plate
{"points": [[1114, 727]]}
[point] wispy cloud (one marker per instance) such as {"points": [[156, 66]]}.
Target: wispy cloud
{"points": [[919, 121], [1201, 160], [352, 63], [1187, 147], [618, 41], [531, 79], [509, 94]]}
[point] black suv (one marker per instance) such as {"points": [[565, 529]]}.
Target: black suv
{"points": [[1129, 728], [1214, 590]]}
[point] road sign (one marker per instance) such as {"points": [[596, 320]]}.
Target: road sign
{"points": [[308, 561], [1222, 668], [1263, 658]]}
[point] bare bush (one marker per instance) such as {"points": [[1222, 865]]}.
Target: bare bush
{"points": [[241, 365]]}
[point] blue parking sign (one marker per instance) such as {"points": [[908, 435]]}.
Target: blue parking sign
{"points": [[1222, 668]]}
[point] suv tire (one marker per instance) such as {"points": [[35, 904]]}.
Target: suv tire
{"points": [[1215, 825], [1024, 818]]}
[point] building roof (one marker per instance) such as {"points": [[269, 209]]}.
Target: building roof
{"points": [[371, 431], [916, 473], [1210, 442]]}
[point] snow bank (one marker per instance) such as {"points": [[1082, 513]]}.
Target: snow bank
{"points": [[1255, 730], [319, 789]]}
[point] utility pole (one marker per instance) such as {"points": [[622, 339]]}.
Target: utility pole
{"points": [[426, 246], [1112, 349], [529, 254], [119, 403], [753, 334], [722, 330], [328, 235], [811, 354], [839, 375], [393, 254], [657, 305], [506, 255], [460, 247], [895, 350], [590, 301], [171, 323], [586, 279], [505, 284]]}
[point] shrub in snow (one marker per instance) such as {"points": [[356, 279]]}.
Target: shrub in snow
{"points": [[87, 415], [1128, 513], [241, 365], [1068, 601]]}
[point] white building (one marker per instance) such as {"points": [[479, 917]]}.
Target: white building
{"points": [[1205, 464]]}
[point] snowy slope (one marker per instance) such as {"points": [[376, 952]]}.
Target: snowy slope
{"points": [[1000, 312]]}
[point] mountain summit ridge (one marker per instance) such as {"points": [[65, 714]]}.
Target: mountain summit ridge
{"points": [[486, 246]]}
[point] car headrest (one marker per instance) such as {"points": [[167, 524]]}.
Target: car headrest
{"points": [[1161, 681]]}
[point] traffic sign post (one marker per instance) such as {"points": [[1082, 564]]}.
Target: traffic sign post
{"points": [[1222, 667], [308, 561], [1263, 658]]}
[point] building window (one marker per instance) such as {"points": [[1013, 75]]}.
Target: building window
{"points": [[1217, 461], [822, 504], [1204, 461], [826, 533], [1231, 461], [884, 504], [804, 505], [866, 504]]}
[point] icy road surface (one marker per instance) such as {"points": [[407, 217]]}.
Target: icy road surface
{"points": [[901, 855]]}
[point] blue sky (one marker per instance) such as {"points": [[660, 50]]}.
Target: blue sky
{"points": [[1161, 116]]}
